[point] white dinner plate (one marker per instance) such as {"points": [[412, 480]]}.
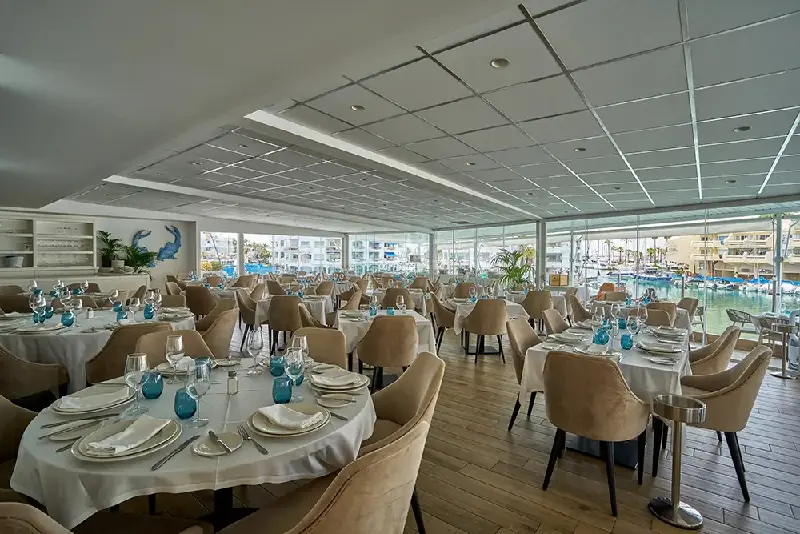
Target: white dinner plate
{"points": [[39, 329], [362, 381], [165, 436], [205, 446], [94, 390], [226, 363], [263, 426], [335, 400]]}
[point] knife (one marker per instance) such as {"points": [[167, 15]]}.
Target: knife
{"points": [[168, 457], [88, 417], [215, 439], [70, 429]]}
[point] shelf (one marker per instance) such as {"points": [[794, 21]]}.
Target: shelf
{"points": [[65, 252], [64, 236], [14, 234], [14, 252]]}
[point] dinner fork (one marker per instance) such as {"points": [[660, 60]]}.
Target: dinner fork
{"points": [[247, 437]]}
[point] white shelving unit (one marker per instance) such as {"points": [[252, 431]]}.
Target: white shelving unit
{"points": [[27, 244]]}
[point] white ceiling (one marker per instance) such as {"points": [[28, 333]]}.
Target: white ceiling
{"points": [[606, 106]]}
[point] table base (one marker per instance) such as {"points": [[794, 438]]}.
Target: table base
{"points": [[224, 513], [480, 346], [783, 374], [626, 453], [687, 517]]}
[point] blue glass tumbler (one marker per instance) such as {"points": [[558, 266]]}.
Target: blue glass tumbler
{"points": [[67, 318], [149, 312], [390, 311], [626, 341], [277, 365], [282, 390], [152, 385], [48, 312], [184, 404]]}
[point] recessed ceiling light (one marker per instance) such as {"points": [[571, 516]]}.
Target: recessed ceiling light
{"points": [[530, 194], [196, 163], [743, 128], [159, 174], [357, 107], [470, 163], [499, 63], [617, 188], [242, 146], [580, 149], [730, 181]]}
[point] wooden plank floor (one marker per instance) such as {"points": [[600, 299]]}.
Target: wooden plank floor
{"points": [[477, 478]]}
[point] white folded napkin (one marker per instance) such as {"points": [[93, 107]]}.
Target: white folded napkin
{"points": [[185, 363], [137, 433], [336, 379], [284, 417], [659, 346], [91, 402], [15, 314]]}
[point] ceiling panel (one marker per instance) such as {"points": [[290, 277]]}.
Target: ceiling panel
{"points": [[662, 158], [583, 148], [746, 166], [650, 113], [711, 16], [520, 156], [542, 170], [773, 92], [607, 163], [295, 158], [657, 139], [364, 139], [463, 116], [404, 129], [579, 125], [442, 148], [611, 177], [474, 162], [314, 119], [667, 173], [418, 85], [544, 98], [339, 102], [497, 138], [757, 148], [761, 125]]}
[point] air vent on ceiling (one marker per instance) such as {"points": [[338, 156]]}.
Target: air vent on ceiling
{"points": [[460, 222]]}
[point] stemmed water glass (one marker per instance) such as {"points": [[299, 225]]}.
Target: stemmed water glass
{"points": [[133, 306], [198, 382], [135, 368], [157, 300], [112, 296], [473, 293], [33, 285], [85, 287], [255, 342], [174, 354], [401, 303], [76, 304], [294, 364]]}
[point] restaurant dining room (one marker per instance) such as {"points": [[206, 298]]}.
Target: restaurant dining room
{"points": [[456, 267]]}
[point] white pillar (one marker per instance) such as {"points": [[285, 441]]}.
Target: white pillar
{"points": [[571, 257], [541, 253], [346, 252], [240, 252], [777, 266], [432, 256]]}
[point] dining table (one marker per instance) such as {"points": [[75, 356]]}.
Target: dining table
{"points": [[354, 330], [682, 318], [317, 305], [417, 295], [72, 490], [72, 347]]}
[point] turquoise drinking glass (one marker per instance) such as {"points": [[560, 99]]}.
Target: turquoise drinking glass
{"points": [[277, 365], [152, 385], [282, 390], [184, 404], [627, 341]]}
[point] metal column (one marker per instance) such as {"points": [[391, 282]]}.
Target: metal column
{"points": [[346, 252], [541, 253], [432, 256], [572, 258], [240, 252], [777, 265]]}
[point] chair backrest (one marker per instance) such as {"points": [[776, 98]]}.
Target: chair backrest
{"points": [[11, 290], [656, 318], [173, 301], [258, 292], [325, 345], [21, 518], [200, 300], [714, 357], [284, 313], [154, 345], [172, 278], [213, 280], [173, 288], [553, 322], [274, 288], [110, 361], [390, 298], [461, 290], [222, 305], [445, 318], [615, 296], [670, 307], [15, 303], [247, 308], [353, 301], [579, 313], [13, 420], [605, 287], [306, 319], [325, 288], [689, 304], [420, 282], [139, 293], [595, 402], [218, 335], [391, 341], [487, 318], [521, 337], [535, 302]]}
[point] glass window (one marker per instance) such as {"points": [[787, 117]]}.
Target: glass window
{"points": [[219, 253], [407, 253]]}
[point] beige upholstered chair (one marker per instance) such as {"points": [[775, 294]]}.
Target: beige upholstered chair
{"points": [[487, 318], [615, 296], [91, 288], [274, 288], [346, 295], [390, 298], [420, 282], [15, 303], [247, 281], [443, 318], [173, 301], [247, 312], [461, 290], [656, 318], [155, 345], [535, 303], [172, 278], [219, 334], [362, 285], [284, 316], [258, 292], [570, 292], [200, 300], [553, 322], [138, 294], [325, 288], [18, 518], [578, 312], [110, 361], [729, 397], [521, 337], [34, 385], [384, 478], [173, 288], [13, 420], [326, 345], [714, 357], [353, 301], [223, 305], [213, 280], [391, 341], [11, 290], [307, 320], [690, 305], [595, 403], [670, 307]]}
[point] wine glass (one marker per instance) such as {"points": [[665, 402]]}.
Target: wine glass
{"points": [[255, 342], [198, 382], [401, 303], [76, 304], [133, 305], [149, 297], [174, 354], [300, 342], [112, 296], [135, 368], [615, 309], [473, 292], [157, 300], [294, 365], [33, 285], [36, 300], [85, 287]]}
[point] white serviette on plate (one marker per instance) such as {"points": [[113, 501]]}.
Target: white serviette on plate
{"points": [[659, 346], [91, 402], [336, 379], [284, 417], [185, 363], [137, 433]]}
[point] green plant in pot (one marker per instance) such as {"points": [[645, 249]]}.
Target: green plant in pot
{"points": [[515, 269], [109, 248], [139, 260]]}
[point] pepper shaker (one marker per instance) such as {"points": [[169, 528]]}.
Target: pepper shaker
{"points": [[233, 383]]}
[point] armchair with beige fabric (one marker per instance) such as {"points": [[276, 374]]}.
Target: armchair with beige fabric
{"points": [[173, 288], [615, 296], [222, 305], [92, 287], [154, 345], [33, 385], [670, 307], [10, 289], [353, 300], [390, 298], [173, 301], [200, 300], [391, 341], [247, 281], [307, 320], [213, 280], [259, 292], [521, 337], [569, 292], [535, 303], [110, 361], [219, 334], [487, 318], [655, 318], [443, 318], [579, 313], [690, 305], [247, 312], [714, 357], [553, 322], [420, 282], [325, 288], [326, 345], [461, 290], [86, 301], [284, 316], [384, 479], [274, 288], [604, 288], [138, 294], [15, 303], [13, 420], [595, 403]]}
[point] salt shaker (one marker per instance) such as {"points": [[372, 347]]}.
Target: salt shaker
{"points": [[233, 383]]}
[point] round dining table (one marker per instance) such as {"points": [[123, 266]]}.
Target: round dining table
{"points": [[69, 347], [72, 490]]}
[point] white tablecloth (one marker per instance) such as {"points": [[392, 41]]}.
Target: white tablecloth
{"points": [[645, 378], [317, 307], [354, 331], [71, 347], [338, 288], [682, 319], [513, 310], [559, 300], [73, 490], [417, 295]]}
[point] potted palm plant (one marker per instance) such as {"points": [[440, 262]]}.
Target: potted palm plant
{"points": [[109, 248], [514, 267], [138, 259]]}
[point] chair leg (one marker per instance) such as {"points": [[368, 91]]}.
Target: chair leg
{"points": [[466, 342], [740, 451], [733, 446], [558, 445], [500, 348], [530, 404], [151, 504], [417, 512], [640, 460], [350, 361], [664, 435], [658, 426], [719, 436], [360, 367], [478, 340], [374, 386], [514, 415], [607, 451]]}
